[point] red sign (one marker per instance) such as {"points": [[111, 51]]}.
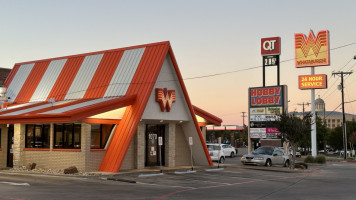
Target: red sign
{"points": [[165, 98], [267, 96], [312, 51], [313, 81], [271, 46], [272, 130]]}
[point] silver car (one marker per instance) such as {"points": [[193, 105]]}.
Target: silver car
{"points": [[266, 155]]}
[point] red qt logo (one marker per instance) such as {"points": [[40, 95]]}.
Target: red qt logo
{"points": [[165, 98]]}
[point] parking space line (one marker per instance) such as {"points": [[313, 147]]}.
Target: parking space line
{"points": [[239, 183]]}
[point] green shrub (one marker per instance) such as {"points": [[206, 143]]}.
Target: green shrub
{"points": [[320, 159], [309, 159]]}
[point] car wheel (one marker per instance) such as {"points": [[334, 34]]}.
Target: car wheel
{"points": [[221, 160], [268, 163], [286, 164], [232, 155]]}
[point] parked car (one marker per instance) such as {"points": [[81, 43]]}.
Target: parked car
{"points": [[229, 150], [266, 155], [297, 154], [216, 152]]}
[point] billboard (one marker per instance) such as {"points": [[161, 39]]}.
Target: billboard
{"points": [[312, 81], [312, 51]]}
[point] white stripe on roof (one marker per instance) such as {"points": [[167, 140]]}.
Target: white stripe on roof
{"points": [[79, 105], [48, 80], [18, 81], [84, 77], [10, 107], [35, 108], [124, 73]]}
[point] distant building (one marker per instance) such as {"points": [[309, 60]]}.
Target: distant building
{"points": [[332, 118]]}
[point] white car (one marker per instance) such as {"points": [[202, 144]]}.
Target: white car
{"points": [[229, 150], [216, 152], [266, 155]]}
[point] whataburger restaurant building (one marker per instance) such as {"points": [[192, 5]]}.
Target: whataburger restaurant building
{"points": [[102, 111]]}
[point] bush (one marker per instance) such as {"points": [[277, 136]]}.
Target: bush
{"points": [[320, 159], [309, 159]]}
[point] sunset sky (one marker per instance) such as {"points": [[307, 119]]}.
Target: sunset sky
{"points": [[216, 43]]}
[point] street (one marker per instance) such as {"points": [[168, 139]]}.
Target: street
{"points": [[330, 181]]}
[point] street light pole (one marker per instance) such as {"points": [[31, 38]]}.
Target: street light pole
{"points": [[341, 74]]}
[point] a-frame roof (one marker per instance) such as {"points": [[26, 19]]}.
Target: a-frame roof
{"points": [[74, 87]]}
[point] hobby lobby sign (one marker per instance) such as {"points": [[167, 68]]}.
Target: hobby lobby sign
{"points": [[267, 96]]}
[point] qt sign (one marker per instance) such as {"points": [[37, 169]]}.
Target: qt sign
{"points": [[271, 46]]}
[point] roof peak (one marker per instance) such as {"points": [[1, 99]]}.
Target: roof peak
{"points": [[96, 52]]}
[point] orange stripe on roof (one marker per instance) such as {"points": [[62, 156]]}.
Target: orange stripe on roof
{"points": [[142, 85], [32, 82], [103, 75], [11, 75], [65, 78]]}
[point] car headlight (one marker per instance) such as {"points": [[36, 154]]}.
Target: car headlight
{"points": [[259, 158]]}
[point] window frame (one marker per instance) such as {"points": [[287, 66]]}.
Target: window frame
{"points": [[34, 138], [101, 144], [72, 136]]}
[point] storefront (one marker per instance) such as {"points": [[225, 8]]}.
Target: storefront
{"points": [[108, 111]]}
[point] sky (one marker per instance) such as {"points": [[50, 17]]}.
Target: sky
{"points": [[216, 43]]}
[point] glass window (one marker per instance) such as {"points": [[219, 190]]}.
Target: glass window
{"points": [[37, 135], [67, 136], [100, 134]]}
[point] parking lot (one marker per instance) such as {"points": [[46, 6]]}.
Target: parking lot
{"points": [[330, 181]]}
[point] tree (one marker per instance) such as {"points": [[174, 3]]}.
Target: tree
{"points": [[293, 129], [321, 133], [335, 138]]}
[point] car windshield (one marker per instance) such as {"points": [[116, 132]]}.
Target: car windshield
{"points": [[213, 147], [263, 150]]}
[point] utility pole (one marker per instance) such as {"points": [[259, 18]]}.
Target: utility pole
{"points": [[243, 118], [341, 74], [307, 104]]}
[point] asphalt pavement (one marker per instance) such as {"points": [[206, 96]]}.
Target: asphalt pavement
{"points": [[334, 180]]}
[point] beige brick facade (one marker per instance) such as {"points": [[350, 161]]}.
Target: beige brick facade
{"points": [[177, 152], [182, 148]]}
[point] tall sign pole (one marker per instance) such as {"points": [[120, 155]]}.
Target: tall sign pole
{"points": [[311, 51], [313, 128], [270, 51]]}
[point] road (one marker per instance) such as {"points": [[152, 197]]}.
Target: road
{"points": [[330, 181]]}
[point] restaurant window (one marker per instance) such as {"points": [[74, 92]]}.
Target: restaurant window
{"points": [[37, 136], [67, 136], [99, 135]]}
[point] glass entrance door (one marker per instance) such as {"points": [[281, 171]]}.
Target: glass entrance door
{"points": [[10, 145], [153, 149]]}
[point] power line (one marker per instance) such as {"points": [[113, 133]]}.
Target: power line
{"points": [[191, 78]]}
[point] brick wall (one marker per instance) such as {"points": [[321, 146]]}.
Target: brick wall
{"points": [[182, 148]]}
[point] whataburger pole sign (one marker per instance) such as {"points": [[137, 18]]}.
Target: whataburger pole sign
{"points": [[312, 51]]}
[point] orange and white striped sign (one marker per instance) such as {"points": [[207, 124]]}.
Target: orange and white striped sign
{"points": [[312, 51]]}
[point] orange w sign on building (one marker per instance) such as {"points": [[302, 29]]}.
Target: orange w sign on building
{"points": [[312, 51], [165, 98]]}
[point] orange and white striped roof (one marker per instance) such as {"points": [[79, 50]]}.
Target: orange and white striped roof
{"points": [[73, 88], [93, 75]]}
